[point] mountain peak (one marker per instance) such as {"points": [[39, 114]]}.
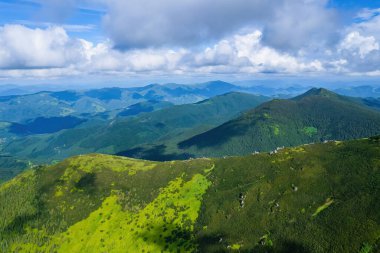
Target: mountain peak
{"points": [[321, 92]]}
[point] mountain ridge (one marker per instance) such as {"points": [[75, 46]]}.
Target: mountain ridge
{"points": [[299, 200], [114, 136], [317, 115]]}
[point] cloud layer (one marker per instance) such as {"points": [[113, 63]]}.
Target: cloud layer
{"points": [[194, 37], [22, 47], [287, 24]]}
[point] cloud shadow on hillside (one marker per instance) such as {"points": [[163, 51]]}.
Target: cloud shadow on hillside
{"points": [[155, 153]]}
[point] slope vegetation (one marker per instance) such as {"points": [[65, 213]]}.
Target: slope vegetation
{"points": [[11, 166], [313, 198], [315, 116]]}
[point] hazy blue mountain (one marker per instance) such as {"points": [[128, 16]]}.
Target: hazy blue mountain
{"points": [[372, 102], [13, 89], [360, 91], [121, 133], [43, 125], [47, 104], [148, 106]]}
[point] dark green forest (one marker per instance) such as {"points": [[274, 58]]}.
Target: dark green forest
{"points": [[316, 116]]}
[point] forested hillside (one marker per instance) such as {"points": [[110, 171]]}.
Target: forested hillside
{"points": [[315, 116], [312, 198]]}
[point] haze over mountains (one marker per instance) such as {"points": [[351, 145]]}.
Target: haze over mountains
{"points": [[156, 122], [116, 135]]}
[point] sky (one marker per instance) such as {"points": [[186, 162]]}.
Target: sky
{"points": [[146, 41]]}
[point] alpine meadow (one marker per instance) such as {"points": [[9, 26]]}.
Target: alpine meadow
{"points": [[189, 126]]}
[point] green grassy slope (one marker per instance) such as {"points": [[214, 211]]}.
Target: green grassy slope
{"points": [[314, 198], [312, 117], [111, 203], [121, 134]]}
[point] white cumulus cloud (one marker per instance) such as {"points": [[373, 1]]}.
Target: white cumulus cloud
{"points": [[246, 53], [22, 47], [359, 44], [50, 52]]}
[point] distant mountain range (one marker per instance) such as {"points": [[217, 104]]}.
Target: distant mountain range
{"points": [[161, 131], [360, 91], [152, 122], [20, 108], [315, 116], [116, 135]]}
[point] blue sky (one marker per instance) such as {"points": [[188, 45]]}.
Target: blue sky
{"points": [[33, 14], [136, 41], [354, 4]]}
